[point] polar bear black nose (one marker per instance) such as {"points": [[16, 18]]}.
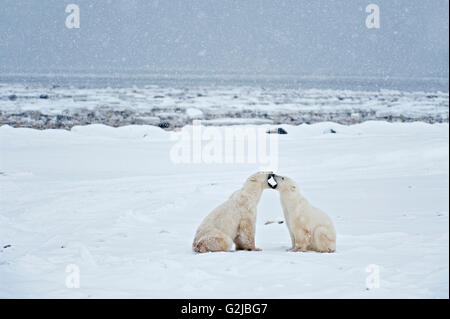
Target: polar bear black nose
{"points": [[272, 181]]}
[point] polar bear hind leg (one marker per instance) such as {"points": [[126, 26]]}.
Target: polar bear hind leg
{"points": [[324, 240], [216, 241], [302, 240]]}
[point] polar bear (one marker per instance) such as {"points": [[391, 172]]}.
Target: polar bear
{"points": [[234, 220], [309, 227]]}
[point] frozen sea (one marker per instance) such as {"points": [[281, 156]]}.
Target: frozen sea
{"points": [[174, 100]]}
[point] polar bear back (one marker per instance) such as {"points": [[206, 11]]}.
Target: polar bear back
{"points": [[300, 214], [318, 217], [225, 218]]}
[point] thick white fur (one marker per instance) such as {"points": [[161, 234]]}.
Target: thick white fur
{"points": [[309, 227], [234, 220]]}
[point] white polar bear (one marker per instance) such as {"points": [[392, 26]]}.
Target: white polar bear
{"points": [[309, 227], [234, 220]]}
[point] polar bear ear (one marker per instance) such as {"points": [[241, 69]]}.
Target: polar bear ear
{"points": [[293, 188]]}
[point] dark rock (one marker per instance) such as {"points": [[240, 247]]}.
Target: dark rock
{"points": [[61, 118], [43, 96], [277, 131], [126, 113], [164, 125], [332, 131], [12, 97]]}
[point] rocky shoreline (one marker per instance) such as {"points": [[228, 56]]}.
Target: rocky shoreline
{"points": [[173, 107], [176, 118]]}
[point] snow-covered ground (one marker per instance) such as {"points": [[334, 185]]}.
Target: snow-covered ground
{"points": [[110, 201], [173, 106]]}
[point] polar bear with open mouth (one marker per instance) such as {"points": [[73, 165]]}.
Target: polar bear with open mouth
{"points": [[234, 220], [309, 227]]}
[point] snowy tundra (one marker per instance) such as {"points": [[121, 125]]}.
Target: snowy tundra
{"points": [[101, 212]]}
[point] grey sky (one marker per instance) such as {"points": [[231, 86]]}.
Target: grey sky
{"points": [[299, 37]]}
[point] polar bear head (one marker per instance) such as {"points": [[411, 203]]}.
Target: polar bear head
{"points": [[259, 179]]}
